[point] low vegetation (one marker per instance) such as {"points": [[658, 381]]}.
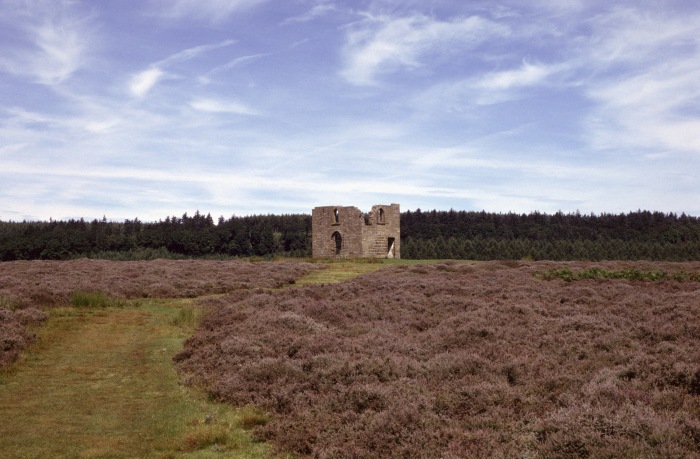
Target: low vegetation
{"points": [[463, 360], [47, 283], [98, 380], [99, 383], [28, 285], [341, 270], [569, 275], [95, 299], [14, 337], [451, 360]]}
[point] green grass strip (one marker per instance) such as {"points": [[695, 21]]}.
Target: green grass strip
{"points": [[95, 299], [570, 275], [100, 382]]}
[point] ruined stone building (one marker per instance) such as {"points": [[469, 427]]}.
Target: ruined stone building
{"points": [[346, 232]]}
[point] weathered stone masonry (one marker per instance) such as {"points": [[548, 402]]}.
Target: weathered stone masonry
{"points": [[344, 232]]}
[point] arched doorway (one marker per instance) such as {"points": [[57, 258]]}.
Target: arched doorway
{"points": [[391, 247], [338, 239]]}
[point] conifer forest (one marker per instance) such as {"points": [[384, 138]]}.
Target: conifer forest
{"points": [[639, 235]]}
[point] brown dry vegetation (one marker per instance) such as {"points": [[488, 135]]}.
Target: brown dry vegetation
{"points": [[47, 283], [463, 360], [28, 285], [14, 337]]}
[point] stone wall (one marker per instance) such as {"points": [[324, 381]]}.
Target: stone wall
{"points": [[343, 231]]}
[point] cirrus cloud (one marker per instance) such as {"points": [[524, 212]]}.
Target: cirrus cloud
{"points": [[210, 10], [384, 44], [141, 83], [52, 40], [218, 106]]}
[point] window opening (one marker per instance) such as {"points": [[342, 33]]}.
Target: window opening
{"points": [[391, 247], [335, 215], [381, 215]]}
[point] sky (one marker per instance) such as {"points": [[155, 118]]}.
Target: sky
{"points": [[153, 108]]}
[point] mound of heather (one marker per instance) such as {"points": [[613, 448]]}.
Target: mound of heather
{"points": [[46, 283], [14, 337], [454, 361], [25, 285]]}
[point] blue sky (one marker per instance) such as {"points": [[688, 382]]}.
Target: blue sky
{"points": [[153, 108]]}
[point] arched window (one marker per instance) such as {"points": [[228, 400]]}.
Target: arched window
{"points": [[335, 216], [338, 239]]}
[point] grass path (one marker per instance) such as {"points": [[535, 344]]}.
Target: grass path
{"points": [[101, 383], [339, 271]]}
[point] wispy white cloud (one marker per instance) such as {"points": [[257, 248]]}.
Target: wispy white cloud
{"points": [[628, 36], [526, 75], [509, 172], [489, 88], [141, 83], [315, 12], [193, 52], [221, 185], [61, 48], [382, 44], [99, 127], [52, 41], [647, 83], [12, 148], [639, 73], [237, 62], [20, 115], [209, 10], [647, 112], [475, 113], [218, 106], [557, 6]]}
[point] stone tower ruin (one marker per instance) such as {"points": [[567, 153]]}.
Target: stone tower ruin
{"points": [[345, 232]]}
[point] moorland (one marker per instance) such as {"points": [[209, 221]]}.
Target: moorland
{"points": [[447, 359]]}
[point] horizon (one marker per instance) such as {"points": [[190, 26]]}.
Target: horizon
{"points": [[254, 107]]}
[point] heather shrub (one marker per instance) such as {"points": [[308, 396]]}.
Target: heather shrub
{"points": [[14, 337], [49, 283], [26, 287], [463, 360], [30, 316], [8, 302]]}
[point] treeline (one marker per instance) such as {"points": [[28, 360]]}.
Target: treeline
{"points": [[558, 250], [424, 235], [175, 237], [640, 235]]}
